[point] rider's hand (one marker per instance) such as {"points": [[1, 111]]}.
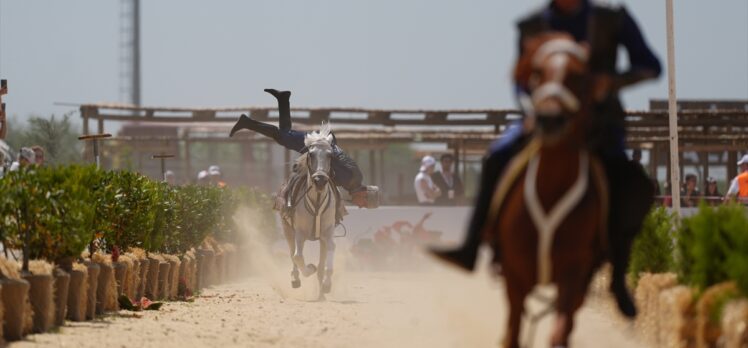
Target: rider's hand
{"points": [[359, 199]]}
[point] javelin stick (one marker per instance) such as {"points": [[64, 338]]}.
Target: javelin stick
{"points": [[673, 112], [95, 139]]}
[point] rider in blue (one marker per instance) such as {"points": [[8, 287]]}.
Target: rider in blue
{"points": [[345, 170], [604, 29]]}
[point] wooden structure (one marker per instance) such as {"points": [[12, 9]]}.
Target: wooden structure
{"points": [[367, 133], [3, 116]]}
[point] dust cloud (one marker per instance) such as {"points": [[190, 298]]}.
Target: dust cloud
{"points": [[399, 297]]}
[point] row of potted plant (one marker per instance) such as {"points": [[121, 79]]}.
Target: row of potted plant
{"points": [[691, 278], [95, 241]]}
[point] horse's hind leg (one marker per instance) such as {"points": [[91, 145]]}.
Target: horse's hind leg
{"points": [[288, 233], [298, 258]]}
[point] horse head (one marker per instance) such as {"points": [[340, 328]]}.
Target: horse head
{"points": [[554, 71], [319, 156]]}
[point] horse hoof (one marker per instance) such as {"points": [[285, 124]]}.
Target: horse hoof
{"points": [[296, 284], [310, 269], [326, 288], [321, 298]]}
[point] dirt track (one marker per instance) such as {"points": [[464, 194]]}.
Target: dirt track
{"points": [[436, 308]]}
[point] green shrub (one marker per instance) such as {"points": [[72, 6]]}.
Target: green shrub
{"points": [[49, 209], [126, 210], [707, 245], [653, 248]]}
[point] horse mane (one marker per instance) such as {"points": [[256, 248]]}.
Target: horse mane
{"points": [[300, 163], [324, 135]]}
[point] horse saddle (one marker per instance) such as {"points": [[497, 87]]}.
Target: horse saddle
{"points": [[292, 193]]}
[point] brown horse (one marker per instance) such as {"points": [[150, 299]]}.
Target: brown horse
{"points": [[549, 222]]}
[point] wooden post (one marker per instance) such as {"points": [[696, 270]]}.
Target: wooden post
{"points": [[672, 108], [187, 158], [3, 116], [382, 172], [704, 157], [373, 167], [653, 160], [732, 166]]}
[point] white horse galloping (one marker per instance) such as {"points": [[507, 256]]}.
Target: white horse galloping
{"points": [[314, 211]]}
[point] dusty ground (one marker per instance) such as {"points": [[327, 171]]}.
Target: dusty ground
{"points": [[434, 308]]}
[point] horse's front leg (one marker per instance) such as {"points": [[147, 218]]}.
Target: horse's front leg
{"points": [[321, 266], [288, 232], [298, 257], [327, 284]]}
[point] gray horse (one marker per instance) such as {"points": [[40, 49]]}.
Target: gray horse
{"points": [[314, 216]]}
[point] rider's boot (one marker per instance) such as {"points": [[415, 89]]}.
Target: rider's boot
{"points": [[284, 108], [265, 129], [500, 154], [631, 197]]}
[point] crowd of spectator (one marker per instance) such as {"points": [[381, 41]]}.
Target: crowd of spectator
{"points": [[438, 187]]}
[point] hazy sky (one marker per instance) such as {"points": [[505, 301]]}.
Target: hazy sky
{"points": [[383, 53]]}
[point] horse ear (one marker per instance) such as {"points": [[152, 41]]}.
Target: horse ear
{"points": [[329, 138]]}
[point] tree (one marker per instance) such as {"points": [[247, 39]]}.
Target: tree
{"points": [[56, 135]]}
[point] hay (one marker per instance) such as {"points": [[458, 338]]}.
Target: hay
{"points": [[145, 266], [138, 254], [164, 269], [106, 290], [100, 258], [17, 314], [707, 330], [734, 322], [93, 285], [676, 318], [173, 278], [41, 267], [647, 297], [78, 293], [61, 286], [41, 299], [9, 269], [151, 290]]}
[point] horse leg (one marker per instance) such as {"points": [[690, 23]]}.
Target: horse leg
{"points": [[288, 233], [321, 266], [327, 284], [516, 294], [570, 299], [298, 257]]}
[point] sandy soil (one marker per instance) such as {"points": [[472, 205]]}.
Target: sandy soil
{"points": [[435, 308]]}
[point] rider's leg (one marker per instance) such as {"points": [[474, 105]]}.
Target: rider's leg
{"points": [[500, 153], [631, 197], [284, 108], [265, 129]]}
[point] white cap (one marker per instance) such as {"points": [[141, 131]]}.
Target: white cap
{"points": [[427, 161], [28, 154], [214, 170], [168, 173], [743, 160], [202, 174]]}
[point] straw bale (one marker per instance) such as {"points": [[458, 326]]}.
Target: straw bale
{"points": [[41, 267], [138, 253], [647, 296], [708, 331], [676, 312], [734, 324], [101, 258], [78, 293], [9, 269]]}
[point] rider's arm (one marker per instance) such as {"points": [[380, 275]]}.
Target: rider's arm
{"points": [[431, 192], [733, 190], [347, 173], [644, 64]]}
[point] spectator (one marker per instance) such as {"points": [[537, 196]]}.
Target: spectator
{"points": [[448, 181], [739, 185], [215, 177], [690, 194], [711, 191], [39, 154], [170, 178], [426, 191], [202, 178], [25, 157]]}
